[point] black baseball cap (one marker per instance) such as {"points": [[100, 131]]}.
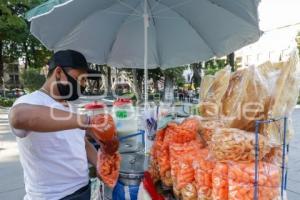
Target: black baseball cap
{"points": [[69, 58]]}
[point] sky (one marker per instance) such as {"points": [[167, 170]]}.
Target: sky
{"points": [[275, 14], [278, 13]]}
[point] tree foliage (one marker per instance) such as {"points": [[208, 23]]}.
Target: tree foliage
{"points": [[32, 79], [15, 38]]}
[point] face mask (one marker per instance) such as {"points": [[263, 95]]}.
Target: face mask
{"points": [[69, 94]]}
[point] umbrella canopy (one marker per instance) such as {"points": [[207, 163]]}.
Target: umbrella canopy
{"points": [[178, 31]]}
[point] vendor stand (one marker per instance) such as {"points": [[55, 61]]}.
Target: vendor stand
{"points": [[154, 40]]}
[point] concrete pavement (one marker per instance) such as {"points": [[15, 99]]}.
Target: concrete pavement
{"points": [[11, 174]]}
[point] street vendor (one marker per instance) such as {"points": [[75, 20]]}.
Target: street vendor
{"points": [[51, 137]]}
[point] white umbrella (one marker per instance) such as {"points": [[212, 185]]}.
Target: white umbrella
{"points": [[146, 33]]}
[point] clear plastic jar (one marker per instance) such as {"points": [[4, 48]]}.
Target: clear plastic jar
{"points": [[125, 117]]}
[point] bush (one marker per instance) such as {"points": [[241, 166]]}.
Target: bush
{"points": [[32, 79], [6, 102]]}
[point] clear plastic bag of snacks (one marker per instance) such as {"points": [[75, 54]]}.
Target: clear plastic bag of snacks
{"points": [[241, 180], [207, 128], [230, 144], [220, 182], [211, 103], [203, 168], [189, 192], [108, 167]]}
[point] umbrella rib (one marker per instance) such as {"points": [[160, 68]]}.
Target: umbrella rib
{"points": [[198, 33], [173, 6], [132, 8]]}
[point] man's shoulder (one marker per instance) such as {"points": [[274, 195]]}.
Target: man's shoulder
{"points": [[32, 98]]}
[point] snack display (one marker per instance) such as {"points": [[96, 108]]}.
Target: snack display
{"points": [[230, 144], [213, 156], [108, 167], [241, 179]]}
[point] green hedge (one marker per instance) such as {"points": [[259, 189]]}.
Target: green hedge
{"points": [[6, 102]]}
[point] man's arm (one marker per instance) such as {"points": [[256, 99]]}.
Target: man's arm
{"points": [[91, 153], [43, 119]]}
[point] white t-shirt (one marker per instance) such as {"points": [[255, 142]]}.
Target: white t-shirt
{"points": [[55, 163]]}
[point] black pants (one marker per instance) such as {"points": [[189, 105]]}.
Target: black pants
{"points": [[83, 193]]}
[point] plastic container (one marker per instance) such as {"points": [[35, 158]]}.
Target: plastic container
{"points": [[95, 108], [125, 117]]}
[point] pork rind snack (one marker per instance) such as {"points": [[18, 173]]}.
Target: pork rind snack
{"points": [[229, 144]]}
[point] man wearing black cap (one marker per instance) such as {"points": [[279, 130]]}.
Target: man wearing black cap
{"points": [[51, 137]]}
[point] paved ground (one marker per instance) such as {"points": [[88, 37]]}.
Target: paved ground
{"points": [[11, 177]]}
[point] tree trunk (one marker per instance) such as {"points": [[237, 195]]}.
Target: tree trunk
{"points": [[230, 61], [109, 84], [196, 74], [155, 82], [137, 86], [169, 89], [26, 55], [1, 62]]}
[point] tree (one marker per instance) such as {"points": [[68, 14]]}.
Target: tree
{"points": [[156, 75], [108, 81], [197, 68], [230, 61], [32, 79], [214, 65], [15, 38], [11, 27], [170, 75]]}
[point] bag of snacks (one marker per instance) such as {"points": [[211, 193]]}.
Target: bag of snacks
{"points": [[156, 148], [220, 182], [181, 157], [108, 167], [103, 127], [255, 103], [189, 192], [206, 83], [207, 128], [231, 102], [203, 168], [192, 123], [275, 156], [229, 144], [210, 105], [241, 179]]}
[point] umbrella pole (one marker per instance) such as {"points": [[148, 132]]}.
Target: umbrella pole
{"points": [[147, 141], [146, 25]]}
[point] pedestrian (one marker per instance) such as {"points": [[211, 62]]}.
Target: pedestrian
{"points": [[51, 137]]}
